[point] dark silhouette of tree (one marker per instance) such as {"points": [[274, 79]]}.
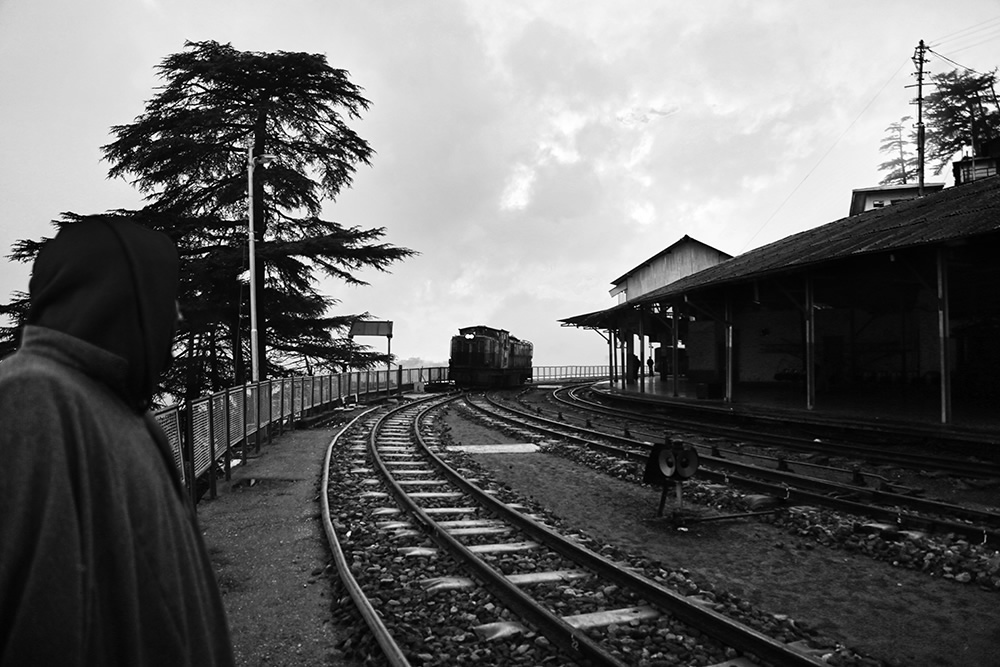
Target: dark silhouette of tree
{"points": [[902, 163], [188, 154], [16, 311], [961, 113]]}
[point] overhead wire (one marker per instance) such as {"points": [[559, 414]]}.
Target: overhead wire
{"points": [[941, 55], [991, 38], [989, 24]]}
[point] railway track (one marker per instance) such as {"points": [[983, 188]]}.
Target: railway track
{"points": [[574, 399], [894, 512], [446, 569], [720, 426]]}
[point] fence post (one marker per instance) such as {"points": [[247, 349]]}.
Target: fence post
{"points": [[245, 403], [270, 409], [229, 437], [211, 447], [188, 449], [281, 408], [257, 411]]}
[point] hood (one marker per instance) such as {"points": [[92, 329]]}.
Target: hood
{"points": [[113, 284]]}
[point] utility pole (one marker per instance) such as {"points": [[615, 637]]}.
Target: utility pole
{"points": [[919, 60]]}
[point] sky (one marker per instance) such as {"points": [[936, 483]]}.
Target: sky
{"points": [[530, 150]]}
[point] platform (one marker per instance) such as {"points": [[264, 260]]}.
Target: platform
{"points": [[914, 412]]}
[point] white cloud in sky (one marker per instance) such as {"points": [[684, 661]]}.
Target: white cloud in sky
{"points": [[517, 192], [643, 212], [530, 150]]}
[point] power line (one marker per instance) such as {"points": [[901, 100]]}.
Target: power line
{"points": [[979, 27], [990, 26], [823, 157], [970, 46], [941, 55]]}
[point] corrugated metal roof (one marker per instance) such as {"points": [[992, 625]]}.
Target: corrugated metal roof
{"points": [[950, 214]]}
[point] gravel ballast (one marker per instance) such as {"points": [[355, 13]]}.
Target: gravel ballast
{"points": [[902, 616]]}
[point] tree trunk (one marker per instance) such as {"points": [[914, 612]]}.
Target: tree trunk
{"points": [[213, 357]]}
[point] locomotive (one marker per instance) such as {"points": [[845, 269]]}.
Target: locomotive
{"points": [[485, 357]]}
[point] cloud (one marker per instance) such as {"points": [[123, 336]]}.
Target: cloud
{"points": [[550, 61], [517, 191], [635, 116]]}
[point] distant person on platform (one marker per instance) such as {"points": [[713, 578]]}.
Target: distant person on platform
{"points": [[633, 367], [101, 558]]}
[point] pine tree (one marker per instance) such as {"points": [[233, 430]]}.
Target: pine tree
{"points": [[961, 113], [188, 154], [902, 165]]}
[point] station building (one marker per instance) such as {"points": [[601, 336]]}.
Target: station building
{"points": [[891, 312]]}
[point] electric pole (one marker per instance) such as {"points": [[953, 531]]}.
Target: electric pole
{"points": [[919, 60]]}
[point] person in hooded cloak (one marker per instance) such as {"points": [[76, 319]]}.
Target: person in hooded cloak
{"points": [[102, 561]]}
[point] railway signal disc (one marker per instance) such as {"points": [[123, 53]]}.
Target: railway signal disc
{"points": [[687, 463], [666, 461], [661, 464]]}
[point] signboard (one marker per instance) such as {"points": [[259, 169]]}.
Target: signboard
{"points": [[371, 328]]}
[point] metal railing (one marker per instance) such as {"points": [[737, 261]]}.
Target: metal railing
{"points": [[225, 426], [549, 373]]}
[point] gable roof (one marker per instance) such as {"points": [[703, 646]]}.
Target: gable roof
{"points": [[666, 251]]}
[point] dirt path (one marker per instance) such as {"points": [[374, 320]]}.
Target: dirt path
{"points": [[267, 542]]}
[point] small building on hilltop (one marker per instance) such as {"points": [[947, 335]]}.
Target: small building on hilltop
{"points": [[866, 199]]}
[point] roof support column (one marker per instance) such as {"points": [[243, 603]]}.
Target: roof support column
{"points": [[729, 348], [611, 357], [642, 349], [674, 355], [622, 365], [810, 322], [944, 335]]}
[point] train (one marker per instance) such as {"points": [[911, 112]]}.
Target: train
{"points": [[482, 356]]}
